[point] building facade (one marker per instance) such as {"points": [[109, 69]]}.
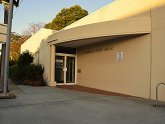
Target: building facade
{"points": [[3, 33], [119, 48]]}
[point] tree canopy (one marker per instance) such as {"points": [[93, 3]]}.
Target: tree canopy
{"points": [[66, 17], [16, 42]]}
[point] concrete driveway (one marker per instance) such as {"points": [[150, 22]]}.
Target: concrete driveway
{"points": [[46, 105]]}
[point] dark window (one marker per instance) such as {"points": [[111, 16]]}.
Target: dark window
{"points": [[67, 50]]}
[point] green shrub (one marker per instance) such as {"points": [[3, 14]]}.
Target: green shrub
{"points": [[12, 62], [30, 74], [34, 73], [23, 72], [25, 58], [17, 74]]}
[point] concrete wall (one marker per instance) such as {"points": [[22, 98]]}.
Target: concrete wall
{"points": [[34, 42], [44, 56], [101, 70], [158, 47], [151, 54]]}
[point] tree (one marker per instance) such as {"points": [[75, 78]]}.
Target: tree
{"points": [[33, 28], [66, 17], [16, 42]]}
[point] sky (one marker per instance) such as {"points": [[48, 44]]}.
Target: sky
{"points": [[34, 11]]}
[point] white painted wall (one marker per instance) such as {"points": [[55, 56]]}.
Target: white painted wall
{"points": [[34, 42]]}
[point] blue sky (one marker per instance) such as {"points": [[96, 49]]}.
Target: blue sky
{"points": [[33, 11]]}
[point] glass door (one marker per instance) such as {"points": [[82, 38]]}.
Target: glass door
{"points": [[65, 69], [70, 73], [59, 71]]}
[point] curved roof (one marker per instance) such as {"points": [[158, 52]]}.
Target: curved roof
{"points": [[131, 26]]}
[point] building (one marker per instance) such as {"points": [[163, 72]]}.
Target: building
{"points": [[3, 33], [118, 48]]}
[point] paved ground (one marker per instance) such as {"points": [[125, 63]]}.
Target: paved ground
{"points": [[45, 105]]}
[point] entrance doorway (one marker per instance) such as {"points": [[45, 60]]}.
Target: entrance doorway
{"points": [[65, 69]]}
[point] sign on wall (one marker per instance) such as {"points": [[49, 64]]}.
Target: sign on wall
{"points": [[96, 50], [120, 56]]}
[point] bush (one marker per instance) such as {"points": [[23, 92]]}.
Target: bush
{"points": [[25, 58], [34, 74], [12, 62], [16, 74], [25, 73]]}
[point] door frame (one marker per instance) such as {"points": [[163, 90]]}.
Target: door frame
{"points": [[65, 55]]}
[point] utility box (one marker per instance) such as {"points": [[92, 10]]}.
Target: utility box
{"points": [[3, 33]]}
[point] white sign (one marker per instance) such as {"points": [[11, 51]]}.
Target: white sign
{"points": [[120, 56]]}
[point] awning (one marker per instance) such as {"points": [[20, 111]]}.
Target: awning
{"points": [[3, 33], [83, 35]]}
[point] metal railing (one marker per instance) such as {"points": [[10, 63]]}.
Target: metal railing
{"points": [[157, 90]]}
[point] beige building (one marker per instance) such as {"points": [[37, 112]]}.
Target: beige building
{"points": [[3, 32], [119, 48]]}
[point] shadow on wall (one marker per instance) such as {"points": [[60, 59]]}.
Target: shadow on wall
{"points": [[43, 57]]}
